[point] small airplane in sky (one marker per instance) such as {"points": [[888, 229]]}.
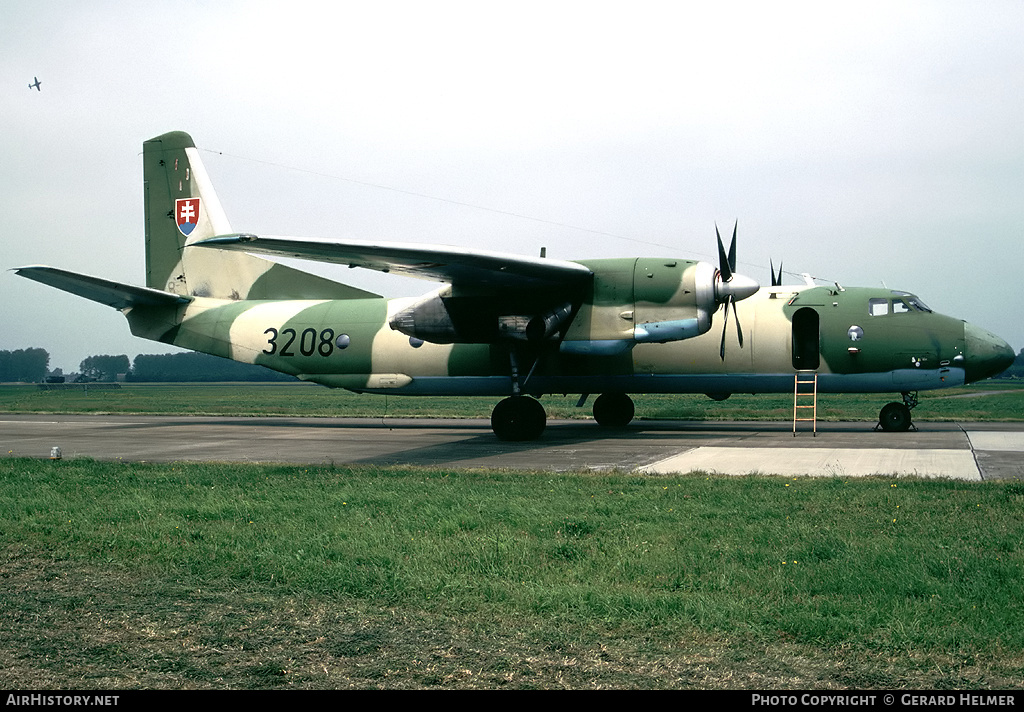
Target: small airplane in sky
{"points": [[516, 327], [36, 85]]}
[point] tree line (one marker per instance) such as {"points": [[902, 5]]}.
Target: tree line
{"points": [[196, 367], [32, 366], [28, 365], [1017, 369]]}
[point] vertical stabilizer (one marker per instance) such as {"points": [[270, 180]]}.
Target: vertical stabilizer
{"points": [[182, 208]]}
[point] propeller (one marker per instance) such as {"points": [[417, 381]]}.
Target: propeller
{"points": [[776, 279], [731, 287]]}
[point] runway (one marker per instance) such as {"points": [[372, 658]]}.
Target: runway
{"points": [[969, 451]]}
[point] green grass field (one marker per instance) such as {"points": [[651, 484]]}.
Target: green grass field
{"points": [[124, 575], [991, 400]]}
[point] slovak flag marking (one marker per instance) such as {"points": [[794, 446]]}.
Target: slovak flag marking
{"points": [[186, 214]]}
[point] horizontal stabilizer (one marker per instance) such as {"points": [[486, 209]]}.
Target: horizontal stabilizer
{"points": [[113, 294], [439, 263]]}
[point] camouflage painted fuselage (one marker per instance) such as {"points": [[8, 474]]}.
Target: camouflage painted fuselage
{"points": [[349, 344]]}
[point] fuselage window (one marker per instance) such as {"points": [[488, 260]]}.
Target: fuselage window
{"points": [[878, 307]]}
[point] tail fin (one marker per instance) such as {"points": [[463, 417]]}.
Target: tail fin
{"points": [[182, 208]]}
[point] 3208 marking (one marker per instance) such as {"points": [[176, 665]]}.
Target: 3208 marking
{"points": [[310, 340]]}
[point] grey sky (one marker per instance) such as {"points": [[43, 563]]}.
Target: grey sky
{"points": [[877, 143]]}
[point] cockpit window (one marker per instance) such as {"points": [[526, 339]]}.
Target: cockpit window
{"points": [[918, 304], [878, 307], [912, 300], [900, 307]]}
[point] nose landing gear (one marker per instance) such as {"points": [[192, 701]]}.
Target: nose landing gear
{"points": [[895, 417]]}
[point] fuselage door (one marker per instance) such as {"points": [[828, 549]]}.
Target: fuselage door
{"points": [[806, 339]]}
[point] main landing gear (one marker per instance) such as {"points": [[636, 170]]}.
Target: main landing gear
{"points": [[522, 417], [895, 417], [518, 418], [613, 410]]}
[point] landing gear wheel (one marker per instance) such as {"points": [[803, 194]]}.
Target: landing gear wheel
{"points": [[518, 418], [614, 410], [894, 417]]}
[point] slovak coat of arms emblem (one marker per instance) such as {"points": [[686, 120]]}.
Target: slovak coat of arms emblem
{"points": [[186, 214]]}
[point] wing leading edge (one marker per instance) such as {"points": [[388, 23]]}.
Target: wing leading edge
{"points": [[438, 263]]}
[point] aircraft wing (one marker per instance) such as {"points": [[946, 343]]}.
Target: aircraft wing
{"points": [[438, 263], [113, 294]]}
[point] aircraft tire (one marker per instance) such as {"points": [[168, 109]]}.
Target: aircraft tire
{"points": [[895, 417], [518, 418], [614, 410]]}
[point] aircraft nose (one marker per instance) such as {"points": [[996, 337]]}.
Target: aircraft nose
{"points": [[985, 354]]}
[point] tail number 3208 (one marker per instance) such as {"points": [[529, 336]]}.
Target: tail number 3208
{"points": [[310, 342]]}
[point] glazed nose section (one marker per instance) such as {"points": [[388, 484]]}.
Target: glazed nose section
{"points": [[985, 354]]}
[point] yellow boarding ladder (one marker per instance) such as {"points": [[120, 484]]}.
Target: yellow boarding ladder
{"points": [[805, 399]]}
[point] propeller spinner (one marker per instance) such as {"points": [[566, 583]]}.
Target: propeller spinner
{"points": [[731, 287]]}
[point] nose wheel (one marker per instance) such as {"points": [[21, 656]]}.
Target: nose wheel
{"points": [[895, 417]]}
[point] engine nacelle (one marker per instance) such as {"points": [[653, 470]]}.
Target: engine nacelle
{"points": [[674, 300], [428, 319], [441, 318]]}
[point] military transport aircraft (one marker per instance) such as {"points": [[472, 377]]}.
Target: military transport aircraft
{"points": [[512, 326]]}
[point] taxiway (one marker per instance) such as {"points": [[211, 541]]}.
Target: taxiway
{"points": [[970, 451]]}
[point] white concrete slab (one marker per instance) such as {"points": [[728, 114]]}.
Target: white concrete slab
{"points": [[996, 440], [822, 462]]}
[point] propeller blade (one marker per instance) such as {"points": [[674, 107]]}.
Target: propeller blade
{"points": [[725, 326], [739, 331], [732, 248], [724, 265]]}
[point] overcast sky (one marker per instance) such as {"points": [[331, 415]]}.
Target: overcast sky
{"points": [[880, 143]]}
